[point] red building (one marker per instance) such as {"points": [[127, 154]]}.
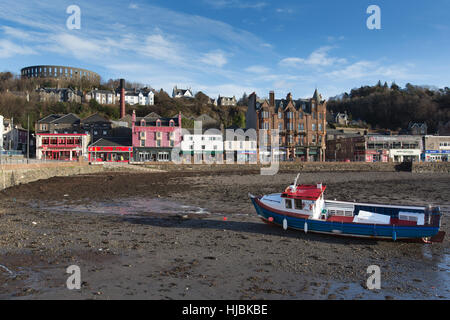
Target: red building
{"points": [[60, 146], [155, 138], [111, 150]]}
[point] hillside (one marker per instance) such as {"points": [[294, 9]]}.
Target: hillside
{"points": [[19, 100], [393, 107]]}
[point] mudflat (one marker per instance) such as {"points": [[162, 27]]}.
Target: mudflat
{"points": [[195, 235]]}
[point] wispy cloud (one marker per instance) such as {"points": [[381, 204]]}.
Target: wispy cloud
{"points": [[319, 58], [236, 4], [9, 49], [257, 69], [214, 58]]}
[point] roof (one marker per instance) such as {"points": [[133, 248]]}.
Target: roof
{"points": [[68, 119], [305, 192], [95, 118], [151, 122], [50, 118], [153, 115], [112, 142]]}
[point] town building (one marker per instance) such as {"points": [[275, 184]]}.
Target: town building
{"points": [[182, 93], [202, 146], [59, 95], [102, 96], [240, 146], [436, 148], [14, 138], [301, 125], [95, 126], [61, 146], [111, 150], [341, 119], [226, 101], [59, 123], [143, 97], [155, 138], [415, 128], [375, 148]]}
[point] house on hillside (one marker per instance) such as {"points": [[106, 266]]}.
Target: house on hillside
{"points": [[182, 93]]}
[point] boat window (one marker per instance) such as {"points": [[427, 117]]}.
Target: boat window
{"points": [[298, 204], [288, 203]]}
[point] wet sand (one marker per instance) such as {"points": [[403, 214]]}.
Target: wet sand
{"points": [[195, 235]]}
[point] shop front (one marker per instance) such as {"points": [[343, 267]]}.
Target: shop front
{"points": [[436, 155], [401, 155], [110, 154]]}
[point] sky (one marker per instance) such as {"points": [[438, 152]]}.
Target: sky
{"points": [[229, 47]]}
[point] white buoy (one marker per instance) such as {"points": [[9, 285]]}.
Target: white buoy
{"points": [[306, 227], [284, 224]]}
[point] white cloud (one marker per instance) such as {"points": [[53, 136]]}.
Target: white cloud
{"points": [[78, 47], [133, 6], [160, 48], [318, 58], [257, 69], [9, 49], [214, 58]]}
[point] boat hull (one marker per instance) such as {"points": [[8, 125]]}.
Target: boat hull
{"points": [[376, 231]]}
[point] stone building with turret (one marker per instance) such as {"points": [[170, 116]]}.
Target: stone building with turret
{"points": [[301, 125]]}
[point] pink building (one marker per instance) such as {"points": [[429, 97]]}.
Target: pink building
{"points": [[155, 138]]}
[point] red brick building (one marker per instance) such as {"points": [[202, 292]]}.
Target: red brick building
{"points": [[301, 124]]}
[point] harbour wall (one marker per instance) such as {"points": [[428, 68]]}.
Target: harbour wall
{"points": [[15, 174]]}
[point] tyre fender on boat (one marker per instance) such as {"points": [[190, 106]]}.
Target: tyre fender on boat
{"points": [[394, 236], [306, 227], [285, 224]]}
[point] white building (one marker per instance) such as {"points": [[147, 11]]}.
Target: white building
{"points": [[199, 148], [101, 96], [138, 97], [240, 146], [182, 93]]}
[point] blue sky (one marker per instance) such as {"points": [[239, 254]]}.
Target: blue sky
{"points": [[229, 47]]}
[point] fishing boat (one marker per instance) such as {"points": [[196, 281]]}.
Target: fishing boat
{"points": [[303, 207]]}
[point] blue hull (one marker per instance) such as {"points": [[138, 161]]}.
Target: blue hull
{"points": [[347, 229]]}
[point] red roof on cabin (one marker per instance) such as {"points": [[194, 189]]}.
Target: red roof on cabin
{"points": [[305, 192]]}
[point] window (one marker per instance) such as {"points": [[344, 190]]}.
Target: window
{"points": [[288, 203], [314, 126], [298, 204], [104, 132], [142, 143], [300, 115], [158, 143], [280, 115], [301, 127], [280, 126], [320, 127]]}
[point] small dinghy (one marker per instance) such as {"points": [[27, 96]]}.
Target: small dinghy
{"points": [[303, 207]]}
